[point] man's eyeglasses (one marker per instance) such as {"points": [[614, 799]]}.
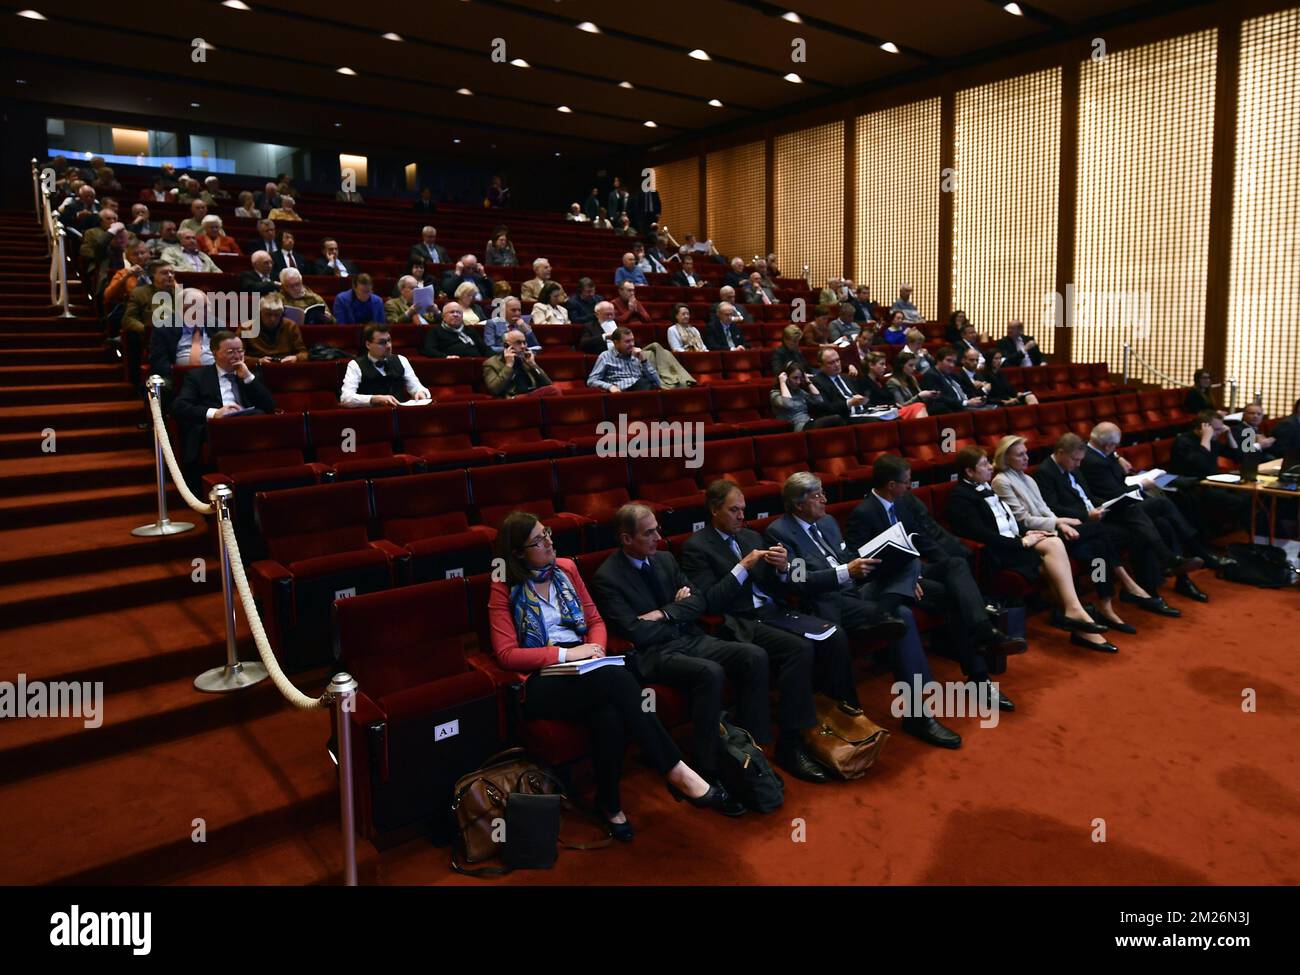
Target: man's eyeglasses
{"points": [[382, 341], [541, 541], [818, 495]]}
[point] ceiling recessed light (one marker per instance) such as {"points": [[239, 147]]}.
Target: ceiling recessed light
{"points": [[20, 81], [31, 14], [794, 79], [346, 71], [463, 91], [1013, 8], [520, 63], [457, 141], [338, 125], [715, 103], [565, 109], [791, 16], [889, 46], [589, 27], [195, 105], [557, 153], [235, 4], [390, 36], [650, 125], [625, 84], [699, 55]]}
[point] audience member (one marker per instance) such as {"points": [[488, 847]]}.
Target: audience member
{"points": [[628, 271], [214, 240], [259, 279], [287, 210], [358, 305], [623, 368], [954, 396], [295, 294], [187, 256], [800, 403], [686, 277], [582, 306], [550, 309], [904, 304], [627, 307], [723, 333], [500, 251], [402, 308], [512, 318], [428, 249], [1201, 396], [790, 351], [380, 377], [331, 264], [514, 370], [278, 339], [1019, 349], [266, 239], [682, 335], [452, 339], [532, 288]]}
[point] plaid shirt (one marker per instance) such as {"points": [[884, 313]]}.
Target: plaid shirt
{"points": [[612, 369]]}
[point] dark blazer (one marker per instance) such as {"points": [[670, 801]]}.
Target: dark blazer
{"points": [[820, 588], [420, 206], [1195, 401], [439, 342], [451, 281], [932, 540], [420, 251], [715, 338], [200, 392], [1102, 476], [322, 267], [1011, 356], [581, 311], [961, 345], [1054, 485], [1287, 433], [946, 401], [708, 561], [592, 340], [876, 393], [251, 281], [679, 279], [736, 279], [834, 399], [623, 596], [1188, 458], [782, 357], [1000, 389], [163, 343], [279, 263], [258, 244], [971, 517], [617, 205]]}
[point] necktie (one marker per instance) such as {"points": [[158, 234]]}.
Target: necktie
{"points": [[382, 366], [196, 346], [760, 598], [233, 378], [821, 542], [893, 518], [289, 260], [766, 299], [651, 579]]}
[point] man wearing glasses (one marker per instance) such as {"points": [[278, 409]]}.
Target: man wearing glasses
{"points": [[380, 378], [646, 599]]}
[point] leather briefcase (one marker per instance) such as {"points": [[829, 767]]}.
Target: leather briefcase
{"points": [[844, 739]]}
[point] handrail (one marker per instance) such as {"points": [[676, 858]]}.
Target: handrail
{"points": [[1230, 384], [55, 239]]}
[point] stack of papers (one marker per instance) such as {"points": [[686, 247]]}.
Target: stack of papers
{"points": [[1124, 500], [893, 547], [1161, 477], [576, 668]]}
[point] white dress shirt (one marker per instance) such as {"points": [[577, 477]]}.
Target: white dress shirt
{"points": [[352, 379], [227, 393]]}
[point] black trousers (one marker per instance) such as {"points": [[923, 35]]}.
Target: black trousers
{"points": [[1146, 543], [802, 667], [700, 666], [950, 591], [1095, 542], [608, 700]]}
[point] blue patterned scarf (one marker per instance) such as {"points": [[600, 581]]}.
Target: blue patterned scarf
{"points": [[527, 606]]}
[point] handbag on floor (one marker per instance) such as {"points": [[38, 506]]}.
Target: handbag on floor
{"points": [[1265, 566], [844, 739], [745, 771]]}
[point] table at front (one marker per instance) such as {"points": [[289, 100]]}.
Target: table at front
{"points": [[1264, 486]]}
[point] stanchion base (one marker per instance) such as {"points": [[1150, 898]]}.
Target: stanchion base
{"points": [[162, 528], [220, 679]]}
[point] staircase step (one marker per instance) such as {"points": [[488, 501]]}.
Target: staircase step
{"points": [[30, 343], [45, 375], [97, 355], [66, 507], [29, 325], [66, 472], [69, 392], [312, 857], [78, 441], [19, 419], [129, 819]]}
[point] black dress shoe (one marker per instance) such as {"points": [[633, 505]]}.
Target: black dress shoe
{"points": [[929, 730], [801, 765], [1152, 604], [1101, 617], [1180, 567], [623, 832], [1063, 622], [1000, 642], [716, 798], [1104, 647], [985, 688], [1185, 587], [888, 629]]}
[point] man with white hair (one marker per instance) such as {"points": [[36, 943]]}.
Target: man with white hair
{"points": [[265, 240], [286, 210], [212, 187], [140, 224], [723, 333], [904, 304], [187, 255], [531, 290], [269, 198], [728, 294], [94, 243], [512, 318], [295, 294], [428, 249], [277, 339], [181, 336], [198, 210], [514, 371], [259, 279], [736, 275], [575, 214], [213, 238], [467, 269]]}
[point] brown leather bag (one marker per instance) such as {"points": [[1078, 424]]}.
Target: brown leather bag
{"points": [[844, 739]]}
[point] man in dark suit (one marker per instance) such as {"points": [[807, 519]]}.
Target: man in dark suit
{"points": [[840, 393], [646, 599], [582, 306], [287, 256], [331, 264], [725, 552], [181, 335], [265, 239], [1104, 472], [425, 202], [212, 393], [619, 201], [833, 583], [260, 279], [648, 208], [1287, 433], [969, 341], [723, 334], [1249, 434], [1019, 349], [686, 276], [1195, 455], [452, 338], [945, 378], [1060, 483], [948, 586], [428, 249], [467, 269]]}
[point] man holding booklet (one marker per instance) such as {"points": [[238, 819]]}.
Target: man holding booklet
{"points": [[808, 653]]}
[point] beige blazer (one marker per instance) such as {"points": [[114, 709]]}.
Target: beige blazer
{"points": [[1020, 493]]}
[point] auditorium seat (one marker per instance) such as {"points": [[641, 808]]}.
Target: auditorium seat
{"points": [[529, 486], [1078, 414], [777, 456], [742, 406], [358, 443], [426, 514], [405, 648], [318, 550], [704, 367], [1052, 422], [451, 379], [666, 482], [921, 444], [1022, 421], [514, 427], [875, 439], [734, 461], [594, 488], [568, 370], [743, 367], [989, 426], [694, 405], [304, 386], [574, 419], [833, 455], [440, 436]]}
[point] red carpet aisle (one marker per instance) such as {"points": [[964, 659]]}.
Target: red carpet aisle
{"points": [[1154, 742]]}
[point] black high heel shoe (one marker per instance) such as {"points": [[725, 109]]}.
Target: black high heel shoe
{"points": [[623, 832], [716, 798]]}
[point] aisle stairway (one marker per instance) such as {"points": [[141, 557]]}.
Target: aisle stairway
{"points": [[81, 599]]}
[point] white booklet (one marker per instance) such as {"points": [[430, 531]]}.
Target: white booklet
{"points": [[1161, 477], [893, 547], [422, 298], [1124, 500], [576, 668], [295, 315]]}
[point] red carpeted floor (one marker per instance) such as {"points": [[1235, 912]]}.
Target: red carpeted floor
{"points": [[181, 787]]}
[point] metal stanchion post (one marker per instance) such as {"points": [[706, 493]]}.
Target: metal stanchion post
{"points": [[1259, 397], [36, 192], [164, 525], [1126, 352], [234, 674], [341, 693], [1232, 395], [63, 276]]}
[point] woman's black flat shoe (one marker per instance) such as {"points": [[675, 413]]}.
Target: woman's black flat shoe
{"points": [[623, 832]]}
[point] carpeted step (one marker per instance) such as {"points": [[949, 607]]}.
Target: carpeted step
{"points": [[75, 441], [114, 387], [67, 507], [44, 375], [128, 819], [17, 419], [67, 472], [28, 343], [46, 356], [28, 326], [312, 856]]}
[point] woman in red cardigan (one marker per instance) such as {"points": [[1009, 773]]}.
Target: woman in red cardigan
{"points": [[542, 615]]}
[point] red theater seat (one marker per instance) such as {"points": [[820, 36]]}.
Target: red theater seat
{"points": [[594, 488], [440, 436], [694, 406], [742, 406], [990, 426], [426, 514], [568, 370], [833, 454], [875, 439], [358, 443], [529, 486], [514, 427], [574, 419], [734, 460], [451, 379], [305, 386]]}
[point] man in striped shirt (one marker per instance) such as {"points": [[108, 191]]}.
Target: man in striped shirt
{"points": [[623, 367]]}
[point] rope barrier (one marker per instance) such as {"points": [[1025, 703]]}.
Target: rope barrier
{"points": [[177, 478]]}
